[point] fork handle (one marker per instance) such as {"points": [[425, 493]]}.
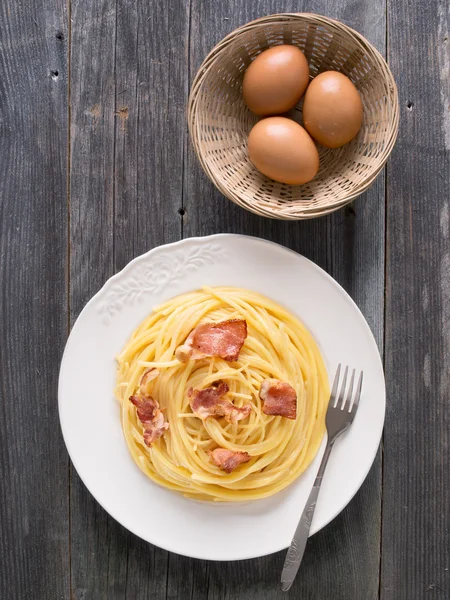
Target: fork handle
{"points": [[297, 548]]}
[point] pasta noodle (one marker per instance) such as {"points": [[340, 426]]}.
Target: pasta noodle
{"points": [[278, 346]]}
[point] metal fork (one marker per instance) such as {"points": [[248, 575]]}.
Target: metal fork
{"points": [[340, 414]]}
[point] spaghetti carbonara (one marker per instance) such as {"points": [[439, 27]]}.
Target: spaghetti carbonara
{"points": [[223, 395]]}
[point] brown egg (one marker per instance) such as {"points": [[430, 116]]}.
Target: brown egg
{"points": [[282, 150], [276, 80], [332, 109]]}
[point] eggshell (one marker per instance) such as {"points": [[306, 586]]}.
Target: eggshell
{"points": [[282, 150], [332, 109], [276, 80]]}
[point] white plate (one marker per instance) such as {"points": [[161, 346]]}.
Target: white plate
{"points": [[90, 418]]}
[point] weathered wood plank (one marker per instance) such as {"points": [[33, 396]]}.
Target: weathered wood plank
{"points": [[34, 536], [342, 561], [92, 127], [129, 89], [416, 516], [152, 86]]}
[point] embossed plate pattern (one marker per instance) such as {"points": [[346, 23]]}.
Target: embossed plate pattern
{"points": [[90, 417]]}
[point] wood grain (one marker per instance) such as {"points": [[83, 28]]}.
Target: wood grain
{"points": [[128, 93], [33, 299], [416, 516], [92, 141]]}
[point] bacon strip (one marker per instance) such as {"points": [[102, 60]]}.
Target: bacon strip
{"points": [[155, 429], [210, 402], [151, 418], [148, 376], [279, 398], [147, 409], [228, 460], [224, 339]]}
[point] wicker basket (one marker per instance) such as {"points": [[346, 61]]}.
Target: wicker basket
{"points": [[219, 121]]}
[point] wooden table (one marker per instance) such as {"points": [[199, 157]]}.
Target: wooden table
{"points": [[97, 168]]}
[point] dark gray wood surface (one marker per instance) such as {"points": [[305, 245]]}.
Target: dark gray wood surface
{"points": [[97, 168], [34, 467], [416, 482]]}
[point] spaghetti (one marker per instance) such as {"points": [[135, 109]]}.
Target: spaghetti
{"points": [[278, 347]]}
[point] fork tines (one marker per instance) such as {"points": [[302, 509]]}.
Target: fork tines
{"points": [[345, 399]]}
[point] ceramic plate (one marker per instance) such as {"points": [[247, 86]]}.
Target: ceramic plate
{"points": [[90, 418]]}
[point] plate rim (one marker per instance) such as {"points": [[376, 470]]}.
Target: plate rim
{"points": [[204, 239]]}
